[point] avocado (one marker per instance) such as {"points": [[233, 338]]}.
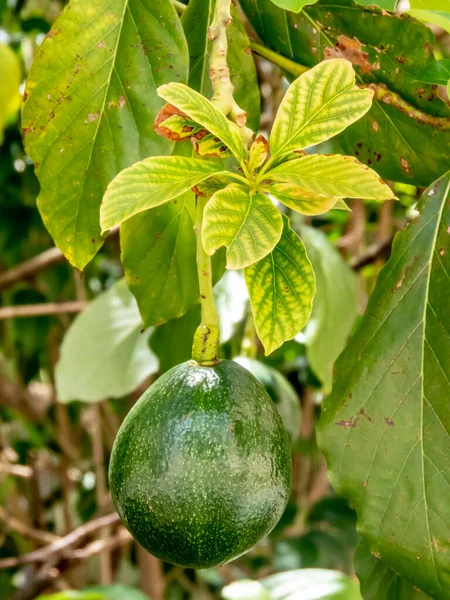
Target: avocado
{"points": [[280, 390], [200, 470]]}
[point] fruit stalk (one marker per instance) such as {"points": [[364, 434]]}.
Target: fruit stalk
{"points": [[206, 339]]}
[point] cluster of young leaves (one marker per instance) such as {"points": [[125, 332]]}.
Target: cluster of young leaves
{"points": [[241, 214]]}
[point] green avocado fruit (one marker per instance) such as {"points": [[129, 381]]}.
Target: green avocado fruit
{"points": [[200, 470]]}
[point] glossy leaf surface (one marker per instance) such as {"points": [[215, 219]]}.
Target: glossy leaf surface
{"points": [[104, 353], [90, 105], [281, 288], [152, 182], [335, 175], [247, 223], [317, 106], [385, 429]]}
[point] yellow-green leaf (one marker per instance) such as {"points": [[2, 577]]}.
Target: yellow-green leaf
{"points": [[318, 105], [149, 183], [248, 224], [335, 175], [90, 104], [300, 200], [202, 111], [10, 74], [281, 287]]}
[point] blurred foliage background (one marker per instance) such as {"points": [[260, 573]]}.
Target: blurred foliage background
{"points": [[68, 376]]}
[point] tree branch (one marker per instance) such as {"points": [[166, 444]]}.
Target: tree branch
{"points": [[39, 310]]}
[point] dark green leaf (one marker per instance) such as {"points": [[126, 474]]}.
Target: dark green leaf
{"points": [[437, 72], [379, 582], [385, 429], [91, 103], [387, 138]]}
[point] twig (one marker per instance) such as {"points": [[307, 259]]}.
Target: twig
{"points": [[24, 471], [39, 310], [372, 254], [62, 544], [151, 577], [29, 532], [120, 538], [31, 267]]}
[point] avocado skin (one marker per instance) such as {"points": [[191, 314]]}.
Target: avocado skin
{"points": [[201, 468]]}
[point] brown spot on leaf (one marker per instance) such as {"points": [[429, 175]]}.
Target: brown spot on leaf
{"points": [[53, 32], [388, 422], [377, 156], [167, 111], [405, 165], [93, 240], [346, 424], [443, 251], [101, 45], [366, 483], [399, 283], [93, 116], [51, 115], [375, 126], [402, 59], [351, 49]]}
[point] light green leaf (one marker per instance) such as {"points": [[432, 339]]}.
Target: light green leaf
{"points": [[245, 590], [379, 582], [149, 183], [434, 17], [439, 5], [318, 105], [300, 200], [335, 306], [258, 153], [10, 76], [437, 72], [335, 175], [390, 399], [341, 205], [202, 111], [73, 595], [311, 584], [117, 591], [91, 102], [104, 354], [247, 223], [281, 288], [196, 20], [293, 5]]}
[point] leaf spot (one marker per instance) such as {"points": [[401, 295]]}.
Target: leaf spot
{"points": [[388, 422]]}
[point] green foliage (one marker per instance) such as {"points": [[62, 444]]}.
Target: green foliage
{"points": [[100, 592], [317, 106], [389, 399], [390, 138], [105, 353], [90, 121], [10, 77], [335, 306], [281, 288], [149, 183], [305, 584]]}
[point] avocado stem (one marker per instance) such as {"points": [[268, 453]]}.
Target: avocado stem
{"points": [[206, 339]]}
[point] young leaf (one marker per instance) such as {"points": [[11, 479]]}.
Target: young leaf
{"points": [[247, 223], [281, 287], [104, 354], [149, 183], [335, 307], [300, 200], [335, 175], [318, 105], [90, 105], [385, 429], [203, 112], [258, 153]]}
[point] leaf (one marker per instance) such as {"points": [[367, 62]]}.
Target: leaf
{"points": [[10, 76], [435, 17], [149, 183], [117, 591], [258, 153], [335, 175], [104, 354], [311, 584], [247, 223], [281, 288], [293, 5], [437, 72], [335, 306], [390, 399], [73, 595], [386, 138], [384, 4], [196, 20], [439, 5], [202, 111], [245, 590], [301, 200], [91, 103], [318, 105], [379, 582]]}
